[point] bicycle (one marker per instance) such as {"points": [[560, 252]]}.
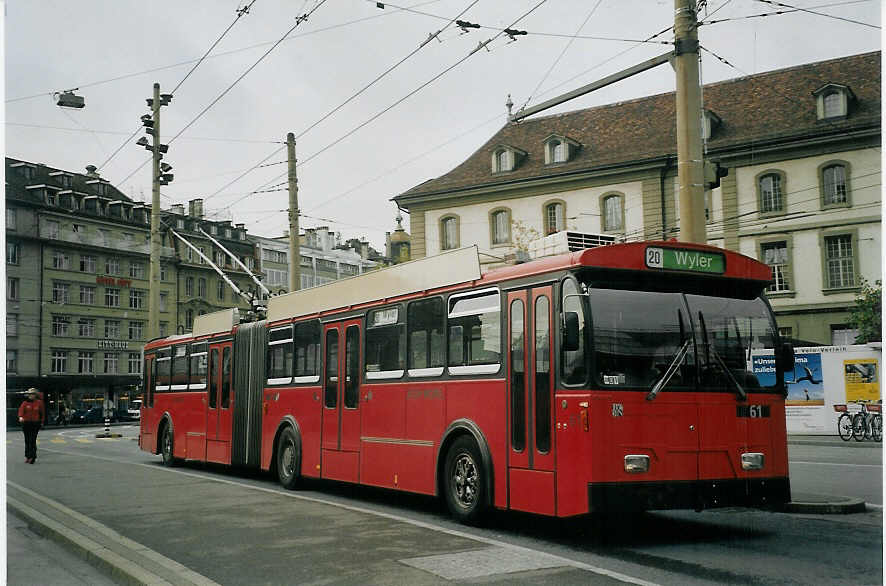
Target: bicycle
{"points": [[868, 423], [844, 422]]}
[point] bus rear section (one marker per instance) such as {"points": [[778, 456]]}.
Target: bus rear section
{"points": [[672, 395]]}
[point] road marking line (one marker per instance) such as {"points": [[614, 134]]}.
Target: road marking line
{"points": [[83, 440], [834, 464], [56, 440], [567, 562]]}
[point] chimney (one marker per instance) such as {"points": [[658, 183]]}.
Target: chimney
{"points": [[178, 209], [195, 208], [364, 250], [91, 171]]}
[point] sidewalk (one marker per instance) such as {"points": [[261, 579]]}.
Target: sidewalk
{"points": [[33, 559], [831, 441]]}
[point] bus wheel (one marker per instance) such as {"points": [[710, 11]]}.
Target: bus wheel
{"points": [[166, 446], [465, 479], [288, 459]]}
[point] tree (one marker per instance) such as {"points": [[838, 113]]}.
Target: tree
{"points": [[867, 315]]}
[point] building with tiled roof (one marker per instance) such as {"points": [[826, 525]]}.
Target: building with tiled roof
{"points": [[798, 149]]}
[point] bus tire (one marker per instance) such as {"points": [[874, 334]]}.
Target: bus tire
{"points": [[844, 427], [166, 446], [288, 459], [464, 485]]}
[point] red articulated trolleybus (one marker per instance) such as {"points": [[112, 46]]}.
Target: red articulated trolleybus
{"points": [[635, 376]]}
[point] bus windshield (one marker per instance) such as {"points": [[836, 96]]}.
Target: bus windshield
{"points": [[679, 342]]}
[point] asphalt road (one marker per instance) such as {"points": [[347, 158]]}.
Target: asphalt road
{"points": [[239, 528], [839, 469]]}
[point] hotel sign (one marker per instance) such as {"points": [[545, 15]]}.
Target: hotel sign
{"points": [[113, 281]]}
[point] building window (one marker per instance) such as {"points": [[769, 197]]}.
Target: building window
{"points": [[163, 301], [202, 255], [162, 272], [500, 226], [59, 362], [555, 217], [189, 319], [11, 324], [111, 359], [770, 189], [136, 299], [10, 219], [833, 105], [12, 288], [86, 327], [220, 290], [13, 253], [843, 335], [190, 254], [52, 229], [189, 286], [219, 258], [60, 292], [112, 329], [137, 270], [839, 261], [613, 213], [136, 330], [833, 183], [87, 263], [786, 332], [105, 237], [135, 363], [60, 325], [11, 361], [87, 295], [775, 254], [61, 260], [164, 328], [449, 232], [112, 297], [112, 266], [201, 288]]}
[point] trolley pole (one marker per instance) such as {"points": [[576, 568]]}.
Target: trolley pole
{"points": [[154, 269], [294, 244], [690, 163]]}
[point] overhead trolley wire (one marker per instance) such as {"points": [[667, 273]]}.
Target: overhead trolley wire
{"points": [[773, 3], [299, 19], [240, 12], [775, 13], [347, 101], [410, 94]]}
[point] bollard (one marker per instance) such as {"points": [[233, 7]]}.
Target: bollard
{"points": [[107, 425]]}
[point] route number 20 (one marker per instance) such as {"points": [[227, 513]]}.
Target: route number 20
{"points": [[654, 258]]}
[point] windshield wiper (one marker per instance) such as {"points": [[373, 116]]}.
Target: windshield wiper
{"points": [[671, 370], [709, 347]]}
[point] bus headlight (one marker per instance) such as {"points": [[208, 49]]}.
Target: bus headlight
{"points": [[752, 461], [636, 463]]}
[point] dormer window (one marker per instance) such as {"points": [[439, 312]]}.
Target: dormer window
{"points": [[506, 158], [709, 124], [24, 169], [559, 149], [833, 101]]}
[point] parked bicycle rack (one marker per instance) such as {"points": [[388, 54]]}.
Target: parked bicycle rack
{"points": [[861, 423]]}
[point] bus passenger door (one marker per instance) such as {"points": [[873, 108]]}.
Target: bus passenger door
{"points": [[218, 412], [531, 481], [340, 442]]}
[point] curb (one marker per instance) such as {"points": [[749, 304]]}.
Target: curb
{"points": [[130, 564], [846, 506]]}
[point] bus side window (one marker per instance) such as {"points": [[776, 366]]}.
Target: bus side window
{"points": [[425, 333], [307, 352], [330, 395], [573, 367], [213, 377], [226, 378], [280, 356]]}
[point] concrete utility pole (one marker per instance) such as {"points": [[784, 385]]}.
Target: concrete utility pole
{"points": [[690, 162], [294, 244], [154, 269]]}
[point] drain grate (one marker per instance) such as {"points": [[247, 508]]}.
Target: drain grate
{"points": [[482, 562]]}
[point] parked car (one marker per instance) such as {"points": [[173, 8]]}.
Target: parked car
{"points": [[135, 410], [97, 415]]}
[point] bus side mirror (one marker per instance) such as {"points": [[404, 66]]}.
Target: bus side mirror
{"points": [[570, 331], [786, 357]]}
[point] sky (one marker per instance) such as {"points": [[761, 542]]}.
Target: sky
{"points": [[378, 104]]}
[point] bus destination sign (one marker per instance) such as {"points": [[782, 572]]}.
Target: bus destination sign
{"points": [[676, 259]]}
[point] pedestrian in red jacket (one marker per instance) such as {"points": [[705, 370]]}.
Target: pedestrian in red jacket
{"points": [[30, 415]]}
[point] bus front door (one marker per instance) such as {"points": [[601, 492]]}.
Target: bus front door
{"points": [[531, 480], [340, 459], [219, 407]]}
